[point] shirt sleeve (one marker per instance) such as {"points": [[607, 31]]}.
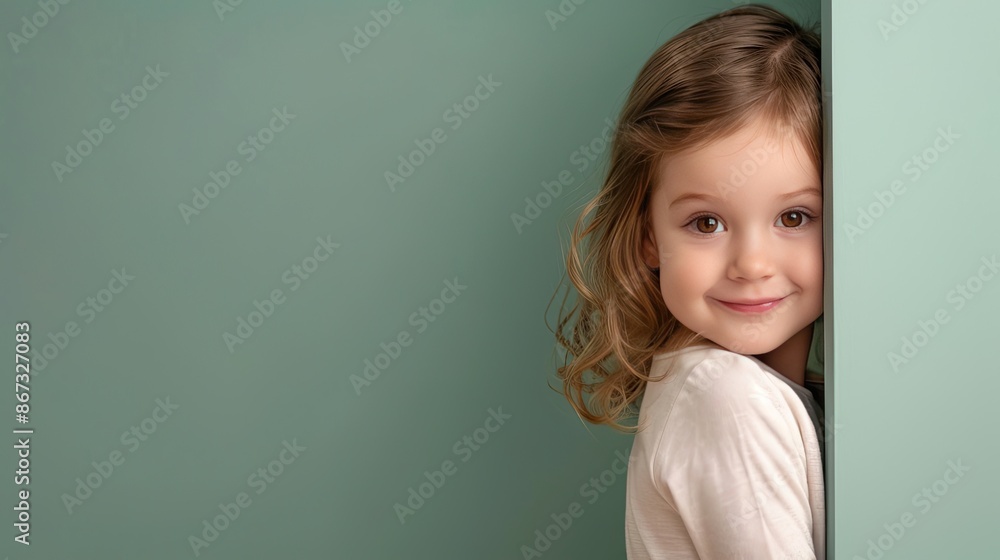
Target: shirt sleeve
{"points": [[731, 461]]}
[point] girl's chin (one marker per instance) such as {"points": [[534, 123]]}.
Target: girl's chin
{"points": [[741, 345]]}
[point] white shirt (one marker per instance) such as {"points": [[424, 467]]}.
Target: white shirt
{"points": [[727, 464]]}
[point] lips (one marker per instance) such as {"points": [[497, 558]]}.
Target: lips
{"points": [[753, 301], [752, 305]]}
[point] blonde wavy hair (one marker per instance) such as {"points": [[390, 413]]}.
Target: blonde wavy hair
{"points": [[705, 83]]}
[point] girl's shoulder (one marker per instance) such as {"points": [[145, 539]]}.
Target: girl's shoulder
{"points": [[704, 359], [709, 394], [715, 377]]}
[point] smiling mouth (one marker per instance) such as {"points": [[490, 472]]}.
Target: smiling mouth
{"points": [[758, 306]]}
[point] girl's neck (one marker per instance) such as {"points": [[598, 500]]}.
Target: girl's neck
{"points": [[790, 358]]}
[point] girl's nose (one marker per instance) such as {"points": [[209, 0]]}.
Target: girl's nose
{"points": [[753, 257]]}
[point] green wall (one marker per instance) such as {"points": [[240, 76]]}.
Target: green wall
{"points": [[392, 249], [914, 302]]}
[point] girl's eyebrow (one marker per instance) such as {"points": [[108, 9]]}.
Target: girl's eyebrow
{"points": [[812, 189]]}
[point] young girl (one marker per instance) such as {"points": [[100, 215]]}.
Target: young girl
{"points": [[700, 289]]}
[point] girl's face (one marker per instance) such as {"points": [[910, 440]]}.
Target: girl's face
{"points": [[738, 221]]}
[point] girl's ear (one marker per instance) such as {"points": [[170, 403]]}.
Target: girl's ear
{"points": [[650, 254]]}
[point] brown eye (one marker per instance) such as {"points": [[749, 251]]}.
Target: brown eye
{"points": [[796, 219], [711, 224]]}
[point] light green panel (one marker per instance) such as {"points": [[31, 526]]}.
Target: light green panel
{"points": [[913, 225], [321, 176]]}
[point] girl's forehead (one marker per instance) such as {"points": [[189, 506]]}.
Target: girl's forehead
{"points": [[758, 132], [747, 150], [740, 169]]}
